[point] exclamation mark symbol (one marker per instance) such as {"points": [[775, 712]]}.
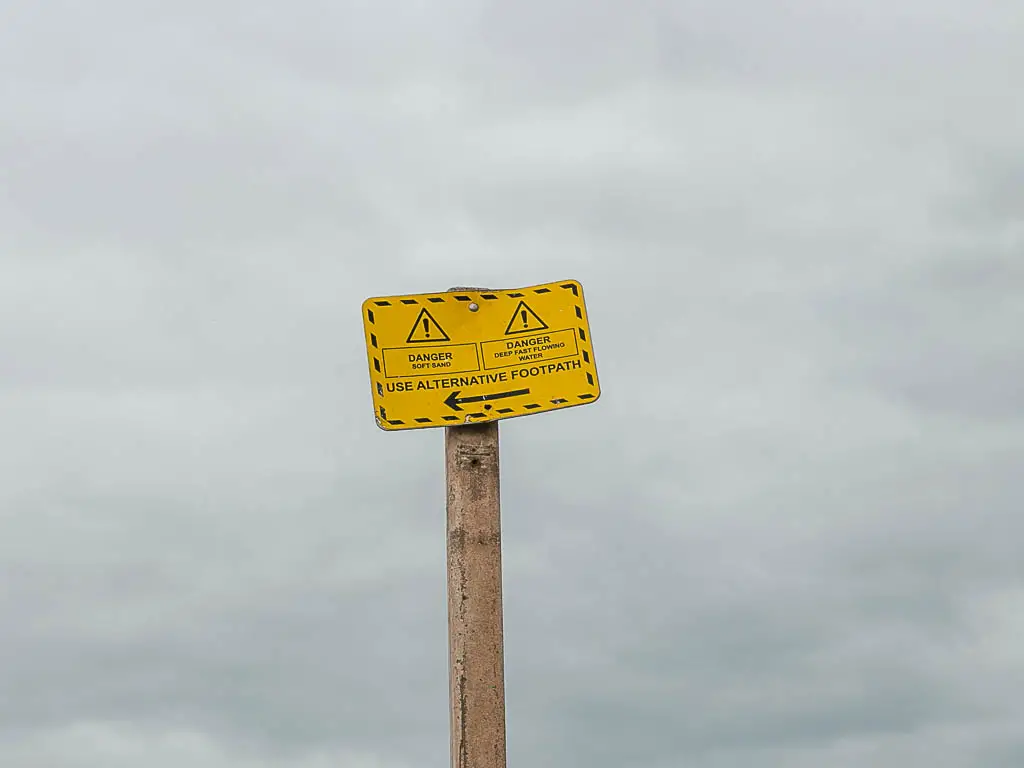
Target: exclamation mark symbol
{"points": [[526, 322], [425, 329]]}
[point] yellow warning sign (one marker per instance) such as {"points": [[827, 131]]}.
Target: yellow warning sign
{"points": [[443, 359]]}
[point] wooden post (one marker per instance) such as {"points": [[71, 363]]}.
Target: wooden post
{"points": [[475, 629]]}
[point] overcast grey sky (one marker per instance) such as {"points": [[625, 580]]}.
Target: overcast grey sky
{"points": [[789, 533]]}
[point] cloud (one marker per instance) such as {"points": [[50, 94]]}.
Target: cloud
{"points": [[786, 533], [89, 744]]}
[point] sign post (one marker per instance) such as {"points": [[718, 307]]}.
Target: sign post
{"points": [[464, 360], [476, 653]]}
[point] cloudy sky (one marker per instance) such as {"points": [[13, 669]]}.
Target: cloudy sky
{"points": [[789, 533]]}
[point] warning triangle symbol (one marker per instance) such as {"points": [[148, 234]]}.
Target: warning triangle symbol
{"points": [[426, 329], [525, 320]]}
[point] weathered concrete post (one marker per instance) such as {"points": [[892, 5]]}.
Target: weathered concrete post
{"points": [[475, 628]]}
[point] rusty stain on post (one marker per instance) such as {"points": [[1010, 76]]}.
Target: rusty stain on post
{"points": [[475, 628]]}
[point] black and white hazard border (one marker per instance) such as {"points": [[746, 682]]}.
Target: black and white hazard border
{"points": [[377, 368]]}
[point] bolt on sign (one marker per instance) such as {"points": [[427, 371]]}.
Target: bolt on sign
{"points": [[470, 356]]}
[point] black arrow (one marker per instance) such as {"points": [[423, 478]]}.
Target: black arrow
{"points": [[453, 400]]}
